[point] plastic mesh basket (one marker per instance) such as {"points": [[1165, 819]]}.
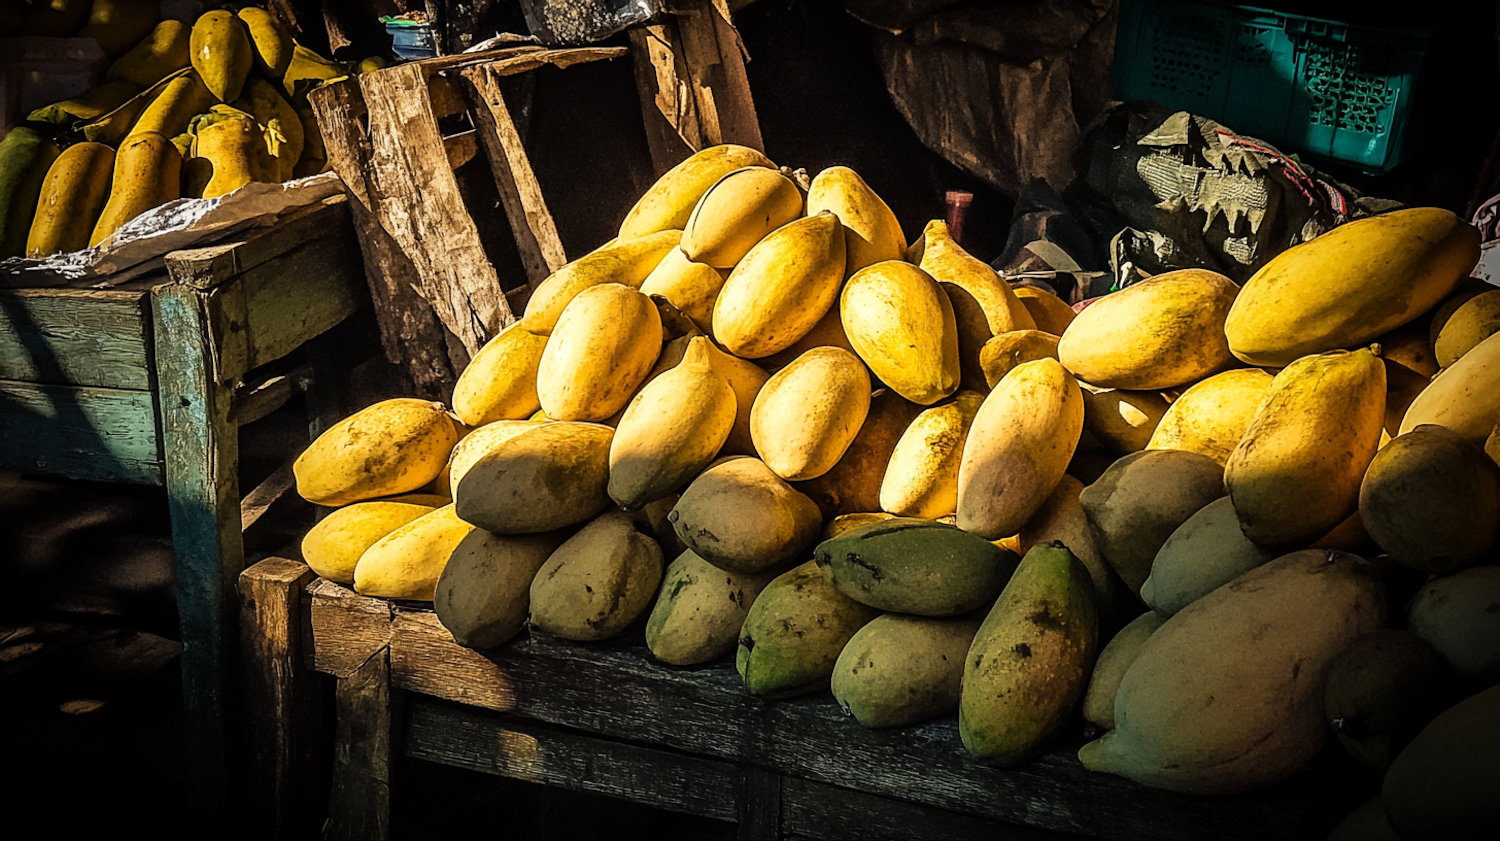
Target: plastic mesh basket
{"points": [[1332, 90]]}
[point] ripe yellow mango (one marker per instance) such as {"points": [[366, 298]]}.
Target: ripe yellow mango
{"points": [[781, 288], [333, 546], [148, 174], [89, 105], [1350, 285], [871, 232], [1211, 416], [737, 212], [221, 53], [1465, 397], [691, 287], [901, 324], [1295, 473], [670, 201], [1050, 313], [1474, 321], [390, 447], [627, 261], [407, 563], [921, 479], [271, 45], [183, 98], [499, 383], [853, 483], [1121, 419], [984, 305], [598, 354], [73, 194], [829, 332], [808, 413], [1005, 351], [159, 54]]}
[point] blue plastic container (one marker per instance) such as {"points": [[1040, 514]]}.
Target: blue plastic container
{"points": [[1331, 90], [411, 40]]}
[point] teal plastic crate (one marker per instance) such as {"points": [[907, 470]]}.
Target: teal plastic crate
{"points": [[1337, 91]]}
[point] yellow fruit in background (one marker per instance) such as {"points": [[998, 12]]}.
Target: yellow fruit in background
{"points": [[1211, 416], [1410, 346], [499, 383], [808, 413], [691, 287], [391, 447], [308, 66], [282, 126], [164, 51], [1402, 385], [270, 44], [183, 98], [332, 547], [221, 53], [984, 305], [901, 324], [598, 354], [1474, 321], [407, 563], [871, 232], [236, 147], [853, 483], [1296, 472], [72, 197], [1051, 313], [628, 262], [89, 105], [148, 174], [1163, 332], [119, 25], [1121, 419], [670, 201], [1018, 447], [1350, 285], [737, 212], [1003, 352], [112, 127], [781, 288], [921, 479], [1465, 397]]}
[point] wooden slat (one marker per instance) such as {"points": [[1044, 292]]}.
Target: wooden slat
{"points": [[734, 106], [668, 111], [86, 337], [283, 701], [361, 625], [297, 296], [80, 432], [758, 804], [553, 756], [461, 148], [832, 813], [203, 268], [535, 232], [359, 808]]}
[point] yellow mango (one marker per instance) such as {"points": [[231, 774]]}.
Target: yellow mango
{"points": [[183, 98], [853, 483], [984, 305], [1465, 397], [1410, 346], [118, 25], [148, 174], [26, 154], [332, 546], [670, 201], [73, 195], [1018, 447], [407, 563], [390, 447], [747, 379], [499, 383], [164, 51], [1295, 473], [1474, 321], [871, 232], [283, 128], [781, 288], [921, 479], [828, 332], [478, 444], [1350, 285], [548, 477], [1004, 351], [1163, 332], [89, 105], [691, 287], [1123, 420], [1050, 313], [901, 324], [271, 45], [1402, 385], [627, 262], [598, 354], [737, 212], [1211, 416], [221, 53], [307, 65], [237, 150], [808, 413]]}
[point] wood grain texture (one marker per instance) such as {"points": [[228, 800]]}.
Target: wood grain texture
{"points": [[361, 625], [668, 109], [568, 759], [204, 268], [359, 808], [200, 450], [88, 337], [80, 432], [757, 804], [283, 701], [831, 813]]}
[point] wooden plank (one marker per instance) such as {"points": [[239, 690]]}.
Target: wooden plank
{"points": [[667, 110], [359, 809], [203, 268], [298, 295], [734, 105], [258, 501], [567, 759], [200, 448], [461, 148], [535, 232], [757, 804], [410, 333], [418, 202], [617, 690], [560, 59], [283, 701], [349, 629], [86, 337], [832, 813], [80, 432]]}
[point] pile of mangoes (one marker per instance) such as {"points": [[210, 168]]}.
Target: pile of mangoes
{"points": [[762, 423], [186, 110]]}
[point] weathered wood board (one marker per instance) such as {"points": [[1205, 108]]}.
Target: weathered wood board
{"points": [[80, 432], [74, 337]]}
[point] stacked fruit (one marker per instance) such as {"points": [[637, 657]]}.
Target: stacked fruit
{"points": [[185, 111], [682, 414]]}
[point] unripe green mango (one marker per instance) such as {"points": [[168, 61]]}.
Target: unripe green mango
{"points": [[1114, 661], [1459, 615], [910, 565], [598, 581], [484, 592], [1381, 690], [1442, 787], [794, 633], [700, 610], [900, 669], [1204, 553]]}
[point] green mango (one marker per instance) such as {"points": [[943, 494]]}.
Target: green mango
{"points": [[1380, 690], [910, 565], [794, 633], [1459, 615], [900, 669], [1203, 554], [1443, 785], [1114, 660], [700, 610], [484, 591], [598, 581], [25, 156]]}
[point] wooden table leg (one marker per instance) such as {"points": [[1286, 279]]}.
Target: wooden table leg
{"points": [[363, 751], [757, 804], [200, 448], [283, 700]]}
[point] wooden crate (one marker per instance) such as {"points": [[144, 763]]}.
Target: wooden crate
{"points": [[144, 384], [607, 718]]}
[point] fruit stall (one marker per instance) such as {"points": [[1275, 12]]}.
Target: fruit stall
{"points": [[745, 497]]}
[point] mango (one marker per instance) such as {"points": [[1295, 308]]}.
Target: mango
{"points": [[1049, 313], [118, 25], [598, 581], [625, 261], [541, 480], [899, 670], [478, 444], [483, 595], [1211, 416], [1122, 420], [738, 211], [747, 379], [1402, 385], [309, 67], [390, 447], [849, 522], [1457, 615], [854, 482], [271, 44], [169, 113], [669, 202], [1473, 322], [1114, 661], [26, 155], [407, 563], [808, 413], [870, 230], [910, 565], [1431, 500], [794, 633], [1061, 519], [741, 517], [781, 288], [222, 54], [1410, 345], [1226, 696], [984, 306], [691, 287], [282, 127], [1381, 690], [1001, 354], [901, 324], [921, 477], [1029, 664], [333, 545], [1203, 554], [1296, 472], [1018, 447], [89, 105], [1350, 285], [162, 52], [700, 610], [598, 354], [72, 197], [1465, 397], [499, 383], [1443, 785]]}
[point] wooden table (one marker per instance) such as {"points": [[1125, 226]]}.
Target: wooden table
{"points": [[142, 384], [607, 718]]}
